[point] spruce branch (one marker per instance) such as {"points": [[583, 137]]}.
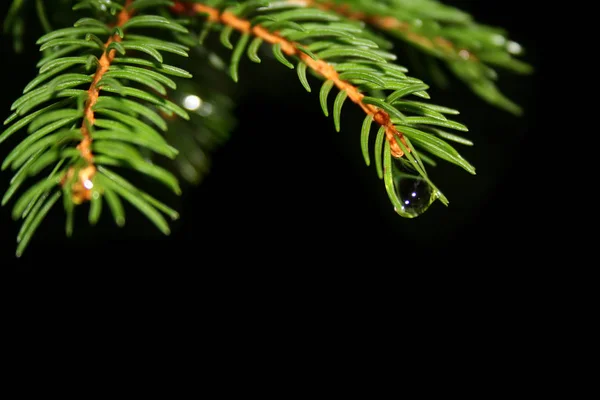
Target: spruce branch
{"points": [[469, 49], [358, 65], [289, 48], [106, 101], [110, 120], [81, 189]]}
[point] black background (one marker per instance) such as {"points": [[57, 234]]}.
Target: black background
{"points": [[289, 191]]}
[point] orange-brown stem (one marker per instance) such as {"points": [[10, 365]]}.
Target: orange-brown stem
{"points": [[323, 68], [81, 188], [391, 23]]}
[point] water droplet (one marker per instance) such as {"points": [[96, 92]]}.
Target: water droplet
{"points": [[192, 102], [414, 193], [88, 184]]}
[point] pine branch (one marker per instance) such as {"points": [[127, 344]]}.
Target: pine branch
{"points": [[103, 98], [314, 36], [289, 48], [82, 187], [437, 30], [110, 119], [387, 22]]}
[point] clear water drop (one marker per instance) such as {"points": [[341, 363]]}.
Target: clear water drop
{"points": [[414, 193], [192, 102]]}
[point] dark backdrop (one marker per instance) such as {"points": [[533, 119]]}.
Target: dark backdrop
{"points": [[288, 190]]}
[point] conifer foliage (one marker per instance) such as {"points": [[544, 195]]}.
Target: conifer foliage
{"points": [[99, 116]]}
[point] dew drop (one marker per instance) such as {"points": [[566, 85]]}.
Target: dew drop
{"points": [[88, 184], [414, 193], [192, 102]]}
